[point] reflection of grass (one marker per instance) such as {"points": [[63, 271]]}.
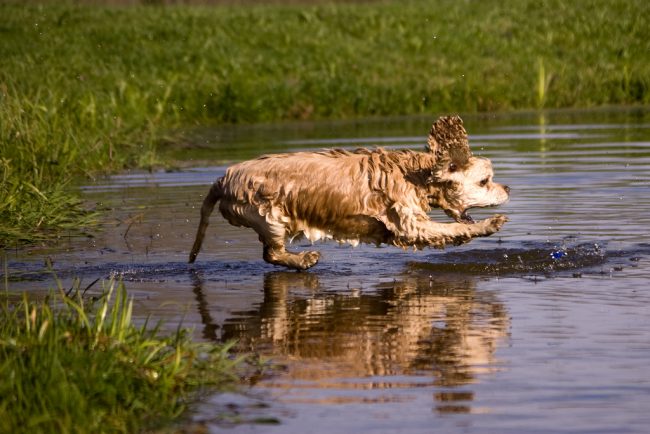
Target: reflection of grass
{"points": [[68, 365], [84, 89]]}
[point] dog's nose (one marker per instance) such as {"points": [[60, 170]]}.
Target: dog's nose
{"points": [[507, 189]]}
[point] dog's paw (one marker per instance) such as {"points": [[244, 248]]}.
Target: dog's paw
{"points": [[309, 259], [495, 223], [490, 225]]}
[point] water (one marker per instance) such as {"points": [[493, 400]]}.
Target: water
{"points": [[544, 327]]}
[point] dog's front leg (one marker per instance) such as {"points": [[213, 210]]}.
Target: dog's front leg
{"points": [[440, 234], [418, 230]]}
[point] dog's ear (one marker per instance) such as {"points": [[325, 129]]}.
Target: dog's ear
{"points": [[448, 138]]}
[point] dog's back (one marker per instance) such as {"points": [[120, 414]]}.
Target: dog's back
{"points": [[325, 194]]}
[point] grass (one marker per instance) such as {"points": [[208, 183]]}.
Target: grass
{"points": [[84, 90], [69, 365]]}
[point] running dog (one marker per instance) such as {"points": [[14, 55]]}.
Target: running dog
{"points": [[373, 196]]}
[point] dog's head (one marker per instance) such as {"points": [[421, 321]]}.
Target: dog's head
{"points": [[460, 181]]}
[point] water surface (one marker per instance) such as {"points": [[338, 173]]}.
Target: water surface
{"points": [[543, 327]]}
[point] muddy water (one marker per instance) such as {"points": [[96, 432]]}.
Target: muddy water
{"points": [[544, 327]]}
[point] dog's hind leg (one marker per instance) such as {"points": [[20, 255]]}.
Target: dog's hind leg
{"points": [[273, 237], [278, 255]]}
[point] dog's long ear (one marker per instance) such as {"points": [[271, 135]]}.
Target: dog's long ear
{"points": [[448, 138]]}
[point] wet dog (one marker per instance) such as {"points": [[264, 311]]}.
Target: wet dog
{"points": [[371, 196]]}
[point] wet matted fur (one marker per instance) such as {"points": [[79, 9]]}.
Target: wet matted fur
{"points": [[371, 196]]}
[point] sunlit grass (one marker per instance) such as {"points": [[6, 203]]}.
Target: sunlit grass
{"points": [[69, 364], [42, 212], [91, 89]]}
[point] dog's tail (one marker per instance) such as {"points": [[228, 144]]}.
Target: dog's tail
{"points": [[215, 194]]}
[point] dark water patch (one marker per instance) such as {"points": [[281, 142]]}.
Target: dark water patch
{"points": [[360, 268], [534, 258]]}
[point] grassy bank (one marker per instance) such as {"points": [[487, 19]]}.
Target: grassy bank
{"points": [[68, 365], [89, 89]]}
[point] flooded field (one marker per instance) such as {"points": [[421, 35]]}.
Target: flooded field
{"points": [[543, 327]]}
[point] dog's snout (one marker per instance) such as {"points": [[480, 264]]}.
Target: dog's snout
{"points": [[507, 189]]}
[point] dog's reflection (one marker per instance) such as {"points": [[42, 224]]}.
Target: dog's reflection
{"points": [[417, 323]]}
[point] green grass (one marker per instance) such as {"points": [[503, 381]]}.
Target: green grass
{"points": [[91, 89], [69, 365]]}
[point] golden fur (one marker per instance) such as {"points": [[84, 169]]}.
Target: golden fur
{"points": [[371, 196]]}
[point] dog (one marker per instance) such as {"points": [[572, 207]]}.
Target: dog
{"points": [[373, 196]]}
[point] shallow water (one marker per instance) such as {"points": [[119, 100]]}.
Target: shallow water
{"points": [[544, 327]]}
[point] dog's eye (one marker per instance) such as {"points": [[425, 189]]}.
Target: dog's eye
{"points": [[452, 167], [484, 182]]}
